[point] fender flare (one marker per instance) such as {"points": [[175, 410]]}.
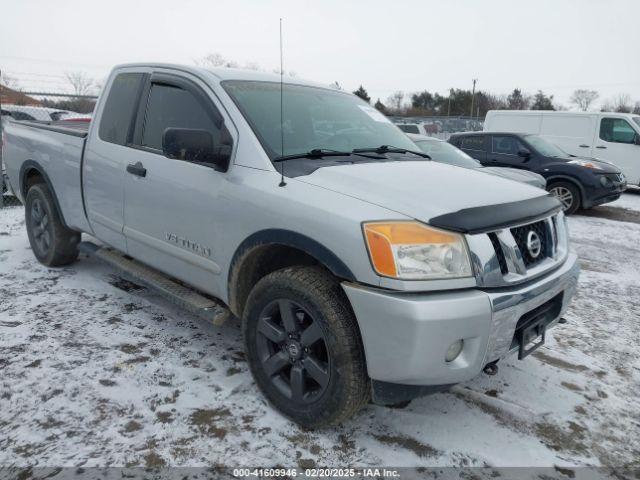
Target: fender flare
{"points": [[573, 181], [288, 238], [33, 165], [293, 239]]}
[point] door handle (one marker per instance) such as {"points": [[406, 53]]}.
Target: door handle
{"points": [[583, 146], [601, 146], [137, 169]]}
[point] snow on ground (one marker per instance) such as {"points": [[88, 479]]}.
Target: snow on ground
{"points": [[95, 371]]}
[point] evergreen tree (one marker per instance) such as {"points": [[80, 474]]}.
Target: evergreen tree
{"points": [[517, 101], [542, 102], [380, 107], [362, 93]]}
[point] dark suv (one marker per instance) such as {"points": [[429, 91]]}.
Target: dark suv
{"points": [[578, 182]]}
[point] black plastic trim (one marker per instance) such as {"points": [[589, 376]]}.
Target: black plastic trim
{"points": [[33, 165], [75, 132], [301, 242], [385, 393], [176, 81], [494, 217]]}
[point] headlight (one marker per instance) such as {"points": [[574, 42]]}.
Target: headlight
{"points": [[413, 251], [586, 164]]}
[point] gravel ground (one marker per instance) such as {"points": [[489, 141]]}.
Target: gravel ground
{"points": [[96, 371]]}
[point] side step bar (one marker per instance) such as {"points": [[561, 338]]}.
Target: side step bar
{"points": [[178, 294]]}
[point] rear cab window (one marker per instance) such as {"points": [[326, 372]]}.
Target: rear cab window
{"points": [[120, 105]]}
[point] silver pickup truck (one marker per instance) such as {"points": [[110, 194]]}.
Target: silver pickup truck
{"points": [[359, 268]]}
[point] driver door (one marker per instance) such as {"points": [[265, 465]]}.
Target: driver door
{"points": [[172, 208]]}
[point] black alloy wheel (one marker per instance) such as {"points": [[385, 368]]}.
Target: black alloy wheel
{"points": [[293, 351], [41, 228]]}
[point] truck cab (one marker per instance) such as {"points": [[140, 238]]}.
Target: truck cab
{"points": [[357, 267]]}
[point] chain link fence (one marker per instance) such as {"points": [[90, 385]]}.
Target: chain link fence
{"points": [[439, 126], [60, 108]]}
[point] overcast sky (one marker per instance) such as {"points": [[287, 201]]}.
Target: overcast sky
{"points": [[386, 45]]}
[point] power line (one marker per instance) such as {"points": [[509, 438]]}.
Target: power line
{"points": [[54, 62]]}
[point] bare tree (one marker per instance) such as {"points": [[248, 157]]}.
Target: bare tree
{"points": [[216, 60], [636, 108], [584, 98], [9, 81], [80, 82], [621, 104], [394, 102]]}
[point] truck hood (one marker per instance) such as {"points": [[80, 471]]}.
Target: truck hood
{"points": [[524, 176], [420, 189]]}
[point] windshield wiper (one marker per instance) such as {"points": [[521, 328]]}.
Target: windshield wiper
{"points": [[320, 153], [382, 149]]}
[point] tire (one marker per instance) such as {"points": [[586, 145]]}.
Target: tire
{"points": [[52, 243], [319, 308], [568, 194]]}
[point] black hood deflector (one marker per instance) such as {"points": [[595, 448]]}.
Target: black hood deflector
{"points": [[494, 217]]}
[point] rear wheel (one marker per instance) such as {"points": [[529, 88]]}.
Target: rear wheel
{"points": [[568, 194], [52, 243], [304, 348]]}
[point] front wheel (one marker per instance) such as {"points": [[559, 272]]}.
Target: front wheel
{"points": [[568, 194], [52, 242], [303, 346]]}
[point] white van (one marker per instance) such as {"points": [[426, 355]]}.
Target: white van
{"points": [[612, 137]]}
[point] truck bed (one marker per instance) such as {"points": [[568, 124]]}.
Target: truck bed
{"points": [[55, 148], [77, 129]]}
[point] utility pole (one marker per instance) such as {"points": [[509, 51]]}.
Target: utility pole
{"points": [[449, 103], [473, 94], [1, 162]]}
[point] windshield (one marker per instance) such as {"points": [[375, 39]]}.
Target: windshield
{"points": [[446, 153], [313, 118], [637, 120], [545, 148]]}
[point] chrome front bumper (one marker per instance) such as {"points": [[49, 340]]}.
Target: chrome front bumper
{"points": [[406, 335]]}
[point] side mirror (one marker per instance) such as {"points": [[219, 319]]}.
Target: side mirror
{"points": [[196, 146], [526, 154]]}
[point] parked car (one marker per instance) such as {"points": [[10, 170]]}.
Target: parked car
{"points": [[30, 112], [611, 137], [443, 152], [359, 270], [576, 182], [416, 128]]}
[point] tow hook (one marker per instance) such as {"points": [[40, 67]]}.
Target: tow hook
{"points": [[491, 368]]}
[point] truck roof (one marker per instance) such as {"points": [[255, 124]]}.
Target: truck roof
{"points": [[228, 73]]}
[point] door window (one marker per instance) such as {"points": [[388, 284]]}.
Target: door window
{"points": [[118, 109], [173, 107], [505, 145], [616, 130], [473, 143]]}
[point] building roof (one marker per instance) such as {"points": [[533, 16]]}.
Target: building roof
{"points": [[14, 97]]}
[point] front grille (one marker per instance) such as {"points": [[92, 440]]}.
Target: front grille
{"points": [[533, 240], [499, 253]]}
